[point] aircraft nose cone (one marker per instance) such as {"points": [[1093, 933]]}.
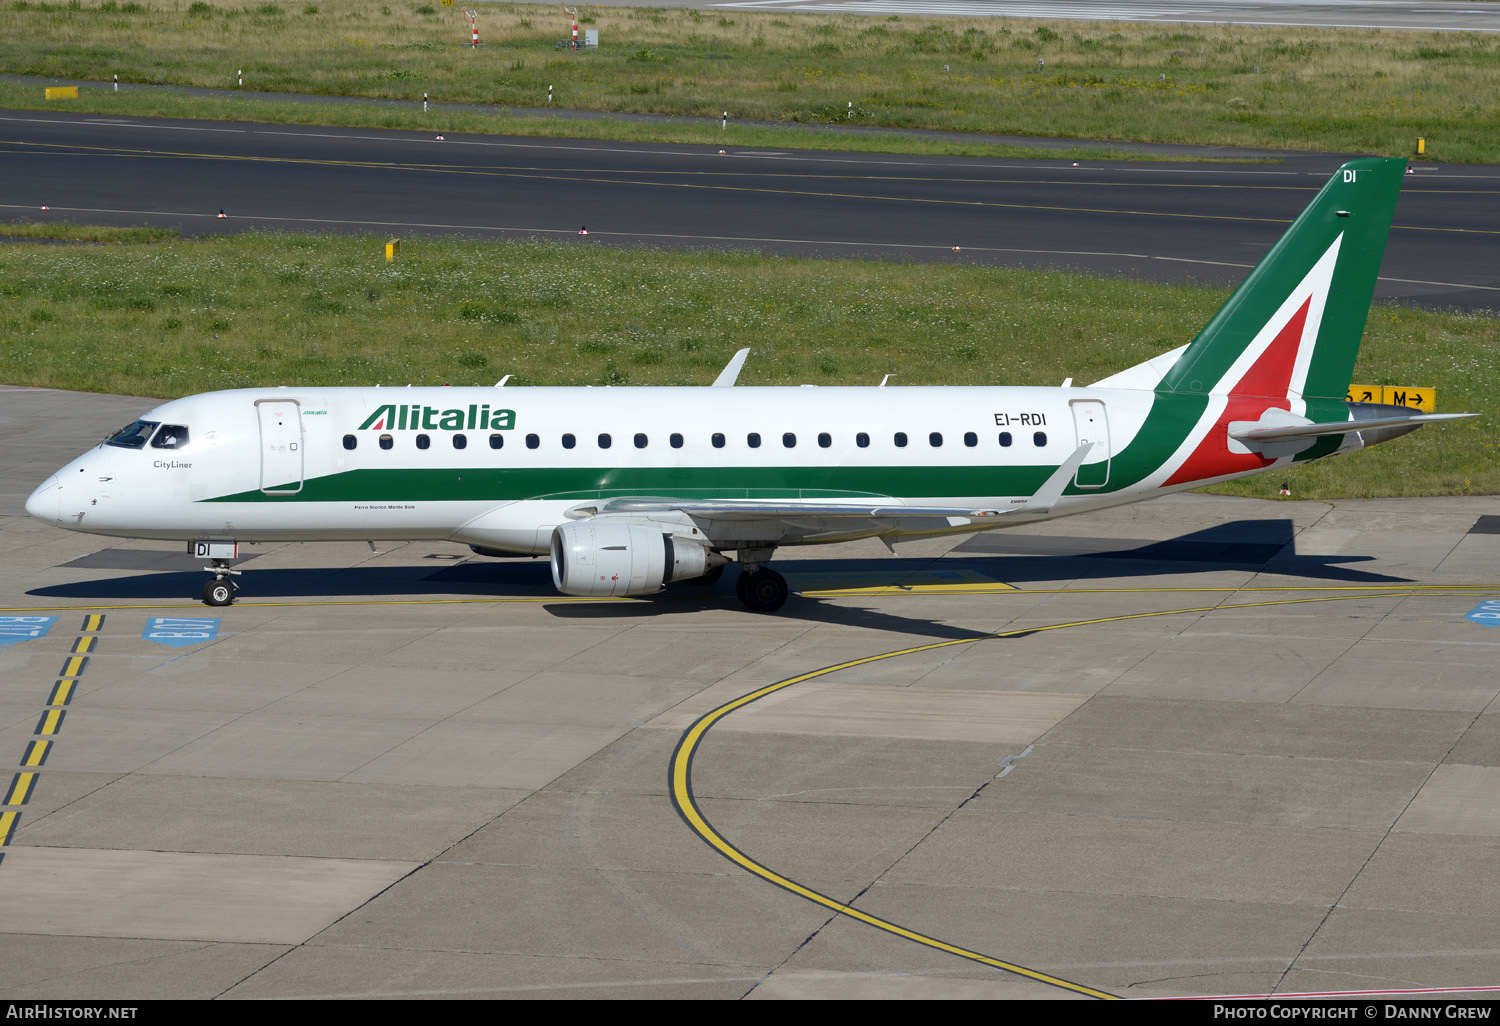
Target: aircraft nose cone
{"points": [[46, 502]]}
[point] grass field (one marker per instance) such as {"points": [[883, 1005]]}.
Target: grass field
{"points": [[67, 231], [173, 317], [1336, 89]]}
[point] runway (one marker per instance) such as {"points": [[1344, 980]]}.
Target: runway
{"points": [[1169, 222], [1199, 746], [1400, 15]]}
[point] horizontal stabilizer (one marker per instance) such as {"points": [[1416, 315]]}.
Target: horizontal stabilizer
{"points": [[1259, 431]]}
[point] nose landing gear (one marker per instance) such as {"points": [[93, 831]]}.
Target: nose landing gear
{"points": [[220, 591]]}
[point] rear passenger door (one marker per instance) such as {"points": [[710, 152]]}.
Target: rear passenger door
{"points": [[1092, 425]]}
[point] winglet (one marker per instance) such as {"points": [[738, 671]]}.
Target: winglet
{"points": [[1051, 490], [731, 372]]}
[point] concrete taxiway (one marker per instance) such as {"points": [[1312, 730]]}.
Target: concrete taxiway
{"points": [[1265, 756]]}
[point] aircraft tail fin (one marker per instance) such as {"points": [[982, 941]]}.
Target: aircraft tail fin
{"points": [[1292, 329]]}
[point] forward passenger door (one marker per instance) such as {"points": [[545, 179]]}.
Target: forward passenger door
{"points": [[280, 446]]}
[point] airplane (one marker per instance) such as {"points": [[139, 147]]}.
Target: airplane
{"points": [[630, 489]]}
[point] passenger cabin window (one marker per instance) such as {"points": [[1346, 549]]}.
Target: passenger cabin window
{"points": [[497, 441], [569, 441], [423, 442], [350, 441], [533, 441], [718, 440], [971, 439], [676, 441], [134, 436], [789, 440], [1005, 439], [171, 436], [862, 440], [1039, 439], [824, 440], [386, 441], [605, 441], [753, 440], [900, 439], [640, 441], [935, 439], [460, 442]]}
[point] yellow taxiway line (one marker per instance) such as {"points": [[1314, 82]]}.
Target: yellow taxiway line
{"points": [[685, 802]]}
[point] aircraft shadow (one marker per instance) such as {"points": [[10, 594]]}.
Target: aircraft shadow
{"points": [[1265, 546], [813, 609], [486, 579], [1260, 546]]}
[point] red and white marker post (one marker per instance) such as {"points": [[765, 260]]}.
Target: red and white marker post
{"points": [[573, 13], [473, 27]]}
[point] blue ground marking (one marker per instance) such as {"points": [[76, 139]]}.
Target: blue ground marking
{"points": [[180, 631], [1487, 613], [24, 628]]}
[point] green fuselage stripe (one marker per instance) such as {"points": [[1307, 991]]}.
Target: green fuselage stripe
{"points": [[508, 484]]}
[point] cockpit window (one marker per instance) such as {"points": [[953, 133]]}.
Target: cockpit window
{"points": [[134, 436], [171, 436]]}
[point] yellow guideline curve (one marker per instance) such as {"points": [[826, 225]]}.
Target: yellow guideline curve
{"points": [[683, 799]]}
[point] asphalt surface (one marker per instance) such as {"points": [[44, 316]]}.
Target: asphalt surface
{"points": [[1168, 222]]}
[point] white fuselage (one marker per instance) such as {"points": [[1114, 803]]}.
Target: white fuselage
{"points": [[345, 463]]}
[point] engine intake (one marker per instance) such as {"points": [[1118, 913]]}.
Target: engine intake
{"points": [[600, 558]]}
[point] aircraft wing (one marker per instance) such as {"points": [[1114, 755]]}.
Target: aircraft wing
{"points": [[731, 372], [1042, 501], [750, 509]]}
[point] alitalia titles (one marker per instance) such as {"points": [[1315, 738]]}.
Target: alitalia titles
{"points": [[393, 417]]}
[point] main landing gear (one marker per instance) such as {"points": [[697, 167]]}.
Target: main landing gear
{"points": [[760, 588], [220, 591]]}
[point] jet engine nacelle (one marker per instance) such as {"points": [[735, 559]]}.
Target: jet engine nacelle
{"points": [[599, 558]]}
